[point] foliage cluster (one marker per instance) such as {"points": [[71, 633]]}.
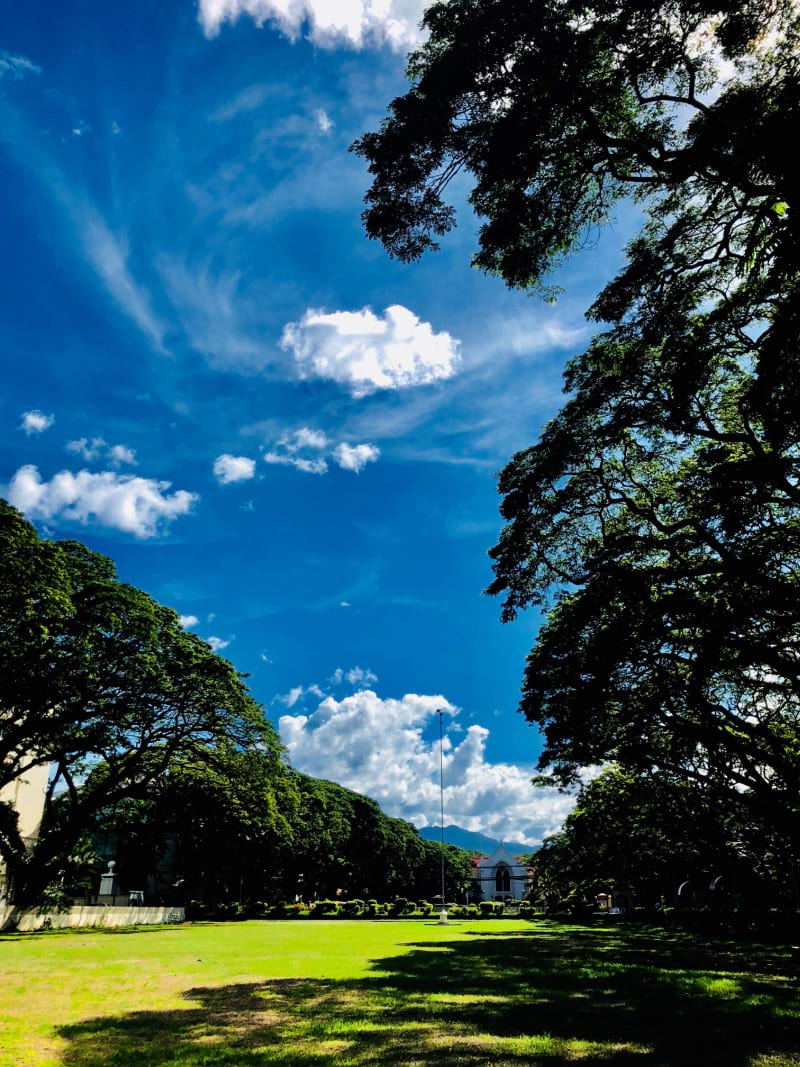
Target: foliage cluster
{"points": [[657, 519]]}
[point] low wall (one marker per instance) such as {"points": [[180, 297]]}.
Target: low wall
{"points": [[89, 915]]}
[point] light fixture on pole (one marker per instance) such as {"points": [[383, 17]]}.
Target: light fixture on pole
{"points": [[440, 713]]}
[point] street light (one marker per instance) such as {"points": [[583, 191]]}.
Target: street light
{"points": [[440, 713]]}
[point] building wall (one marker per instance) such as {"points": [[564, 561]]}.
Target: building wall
{"points": [[89, 916], [487, 875], [27, 794]]}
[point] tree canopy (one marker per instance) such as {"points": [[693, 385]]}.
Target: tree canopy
{"points": [[651, 833], [657, 519], [102, 683]]}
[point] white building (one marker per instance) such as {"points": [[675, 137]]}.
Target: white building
{"points": [[501, 876], [26, 795]]}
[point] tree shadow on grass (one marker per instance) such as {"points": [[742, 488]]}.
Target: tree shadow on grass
{"points": [[537, 997]]}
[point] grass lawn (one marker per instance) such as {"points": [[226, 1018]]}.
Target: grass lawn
{"points": [[305, 993]]}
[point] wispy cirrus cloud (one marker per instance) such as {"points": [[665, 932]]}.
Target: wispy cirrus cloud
{"points": [[356, 23], [16, 67], [300, 463], [139, 506], [104, 248]]}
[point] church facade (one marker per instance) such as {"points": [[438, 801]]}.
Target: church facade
{"points": [[501, 876]]}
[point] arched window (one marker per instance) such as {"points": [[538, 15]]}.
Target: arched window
{"points": [[502, 879]]}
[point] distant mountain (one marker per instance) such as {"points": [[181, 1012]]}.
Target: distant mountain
{"points": [[472, 841]]}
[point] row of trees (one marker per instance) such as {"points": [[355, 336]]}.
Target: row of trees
{"points": [[657, 519], [228, 828], [160, 757], [656, 834]]}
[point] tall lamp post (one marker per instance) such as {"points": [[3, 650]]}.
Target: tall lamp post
{"points": [[440, 713]]}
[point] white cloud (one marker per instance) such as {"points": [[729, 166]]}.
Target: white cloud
{"points": [[360, 677], [379, 747], [324, 121], [298, 692], [218, 312], [305, 437], [16, 66], [249, 99], [345, 604], [308, 466], [355, 457], [365, 352], [188, 621], [119, 454], [356, 676], [109, 254], [36, 421], [217, 643], [86, 449], [288, 447], [230, 469], [121, 501], [353, 23]]}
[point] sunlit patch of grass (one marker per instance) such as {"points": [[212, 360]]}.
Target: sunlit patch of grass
{"points": [[567, 1049], [363, 994]]}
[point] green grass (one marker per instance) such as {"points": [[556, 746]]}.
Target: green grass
{"points": [[368, 993]]}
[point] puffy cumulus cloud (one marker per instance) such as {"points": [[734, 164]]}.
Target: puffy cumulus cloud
{"points": [[188, 621], [121, 454], [353, 23], [355, 457], [365, 352], [36, 421], [217, 643], [229, 469], [16, 67], [300, 449], [378, 747], [305, 437], [140, 506]]}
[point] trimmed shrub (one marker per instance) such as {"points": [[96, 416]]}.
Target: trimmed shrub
{"points": [[321, 908], [353, 908]]}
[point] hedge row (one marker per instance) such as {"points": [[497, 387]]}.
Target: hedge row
{"points": [[343, 909]]}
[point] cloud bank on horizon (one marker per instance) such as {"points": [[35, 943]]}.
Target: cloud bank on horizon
{"points": [[378, 747]]}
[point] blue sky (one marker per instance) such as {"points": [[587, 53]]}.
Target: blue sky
{"points": [[213, 377]]}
